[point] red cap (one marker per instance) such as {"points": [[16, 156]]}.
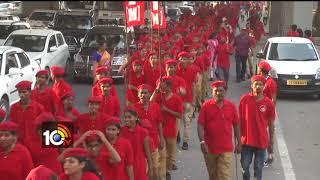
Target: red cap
{"points": [[67, 94], [167, 78], [184, 54], [2, 113], [24, 85], [193, 46], [218, 83], [170, 62], [105, 80], [102, 69], [42, 72], [57, 71], [145, 86], [8, 126], [146, 124], [151, 54], [137, 62], [94, 99], [44, 117], [92, 137], [40, 172], [264, 65], [75, 152], [112, 121], [258, 78]]}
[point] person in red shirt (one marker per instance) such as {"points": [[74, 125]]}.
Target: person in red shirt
{"points": [[133, 80], [101, 151], [151, 111], [102, 72], [2, 115], [41, 172], [77, 165], [270, 88], [151, 70], [25, 111], [257, 116], [215, 121], [224, 50], [293, 31], [92, 120], [179, 85], [60, 86], [15, 159], [138, 137], [68, 110], [34, 144], [172, 111], [110, 104], [43, 94]]}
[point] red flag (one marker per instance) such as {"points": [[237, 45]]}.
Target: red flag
{"points": [[134, 11], [156, 11]]}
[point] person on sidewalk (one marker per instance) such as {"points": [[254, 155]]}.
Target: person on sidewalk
{"points": [[293, 31], [241, 45], [257, 116], [216, 119]]}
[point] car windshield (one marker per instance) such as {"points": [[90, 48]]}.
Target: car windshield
{"points": [[5, 5], [73, 22], [29, 43], [4, 31], [42, 16], [292, 52], [112, 41], [172, 12]]}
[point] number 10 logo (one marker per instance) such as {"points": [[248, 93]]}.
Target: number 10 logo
{"points": [[57, 134]]}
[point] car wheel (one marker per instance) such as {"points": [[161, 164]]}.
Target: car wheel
{"points": [[4, 104], [67, 68]]}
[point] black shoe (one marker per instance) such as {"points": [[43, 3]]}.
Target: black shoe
{"points": [[174, 167], [168, 176], [185, 146], [178, 138]]}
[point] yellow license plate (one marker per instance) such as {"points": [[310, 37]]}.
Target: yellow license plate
{"points": [[297, 82]]}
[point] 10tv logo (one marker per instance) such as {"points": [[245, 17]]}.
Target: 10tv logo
{"points": [[57, 134]]}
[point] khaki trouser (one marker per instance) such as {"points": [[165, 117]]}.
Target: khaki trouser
{"points": [[250, 63], [204, 88], [187, 118], [162, 169], [198, 88], [171, 148], [155, 163], [219, 165]]}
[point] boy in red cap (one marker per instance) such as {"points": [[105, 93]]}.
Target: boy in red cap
{"points": [[25, 111], [134, 79], [179, 85], [102, 72], [257, 129], [68, 110], [270, 88], [43, 94], [60, 86], [151, 70], [110, 104], [41, 172], [92, 120], [15, 159], [216, 119]]}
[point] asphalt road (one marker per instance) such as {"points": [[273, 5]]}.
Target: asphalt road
{"points": [[297, 131]]}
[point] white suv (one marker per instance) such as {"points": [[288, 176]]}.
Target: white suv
{"points": [[15, 66], [46, 46], [295, 64]]}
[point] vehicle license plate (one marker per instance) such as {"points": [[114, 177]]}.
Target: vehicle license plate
{"points": [[297, 82]]}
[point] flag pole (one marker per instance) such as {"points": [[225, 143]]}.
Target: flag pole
{"points": [[127, 70], [160, 66]]}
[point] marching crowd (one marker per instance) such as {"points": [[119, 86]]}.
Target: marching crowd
{"points": [[164, 86]]}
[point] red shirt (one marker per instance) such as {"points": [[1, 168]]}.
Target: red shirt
{"points": [[218, 124], [47, 98], [177, 83], [74, 114], [255, 116], [293, 34], [16, 165], [270, 88], [153, 114], [60, 88], [25, 118], [85, 176], [199, 63], [189, 74], [40, 172], [175, 104], [136, 138], [85, 122], [96, 90], [151, 75], [223, 59], [110, 105], [117, 170], [133, 80]]}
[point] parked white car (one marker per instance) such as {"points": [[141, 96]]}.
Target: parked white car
{"points": [[41, 18], [295, 64], [46, 46], [5, 17], [15, 66]]}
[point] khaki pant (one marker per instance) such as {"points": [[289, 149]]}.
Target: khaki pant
{"points": [[219, 165], [204, 88], [155, 163], [162, 169], [198, 88], [250, 63], [171, 147], [187, 118]]}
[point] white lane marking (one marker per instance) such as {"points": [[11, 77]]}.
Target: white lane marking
{"points": [[284, 153]]}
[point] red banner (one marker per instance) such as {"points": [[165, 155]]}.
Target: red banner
{"points": [[134, 11], [156, 11]]}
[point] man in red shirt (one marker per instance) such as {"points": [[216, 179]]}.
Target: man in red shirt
{"points": [[293, 31], [60, 86], [102, 72], [257, 116], [224, 50], [151, 70], [24, 112], [151, 111], [15, 159], [68, 110], [270, 88], [43, 94], [133, 79], [178, 83], [215, 121], [110, 104]]}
